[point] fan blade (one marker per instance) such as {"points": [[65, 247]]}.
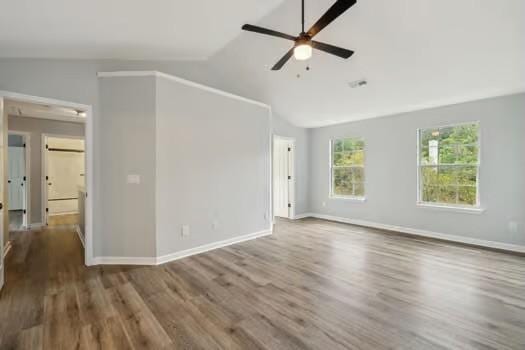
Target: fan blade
{"points": [[334, 50], [283, 60], [333, 12], [270, 32]]}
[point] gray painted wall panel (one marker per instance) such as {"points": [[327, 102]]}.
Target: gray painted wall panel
{"points": [[127, 142], [212, 167], [391, 173]]}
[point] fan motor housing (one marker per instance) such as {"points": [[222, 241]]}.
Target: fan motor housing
{"points": [[303, 39]]}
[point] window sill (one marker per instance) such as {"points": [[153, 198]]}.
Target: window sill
{"points": [[465, 210], [350, 199]]}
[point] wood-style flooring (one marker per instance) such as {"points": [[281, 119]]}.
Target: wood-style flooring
{"points": [[313, 284], [62, 219]]}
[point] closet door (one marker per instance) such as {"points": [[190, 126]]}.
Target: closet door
{"points": [[16, 178]]}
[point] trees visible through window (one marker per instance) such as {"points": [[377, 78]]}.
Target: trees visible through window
{"points": [[347, 168], [449, 165]]}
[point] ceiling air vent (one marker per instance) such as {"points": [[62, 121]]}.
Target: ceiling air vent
{"points": [[357, 83]]}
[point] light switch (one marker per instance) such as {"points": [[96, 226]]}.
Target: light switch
{"points": [[133, 179]]}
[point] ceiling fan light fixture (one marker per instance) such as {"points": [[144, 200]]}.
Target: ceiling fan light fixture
{"points": [[302, 51]]}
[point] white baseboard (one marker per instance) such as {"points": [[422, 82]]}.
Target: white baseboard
{"points": [[35, 226], [109, 260], [302, 216], [424, 233], [211, 246], [122, 260], [79, 233]]}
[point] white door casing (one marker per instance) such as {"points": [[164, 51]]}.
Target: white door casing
{"points": [[283, 201], [16, 169], [3, 182]]}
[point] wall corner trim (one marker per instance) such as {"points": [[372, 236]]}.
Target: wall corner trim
{"points": [[423, 233], [119, 260], [180, 80]]}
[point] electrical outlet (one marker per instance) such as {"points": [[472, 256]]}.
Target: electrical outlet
{"points": [[214, 224], [324, 204], [185, 232]]}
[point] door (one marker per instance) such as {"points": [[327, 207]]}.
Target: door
{"points": [[3, 156], [16, 169], [282, 177], [65, 174]]}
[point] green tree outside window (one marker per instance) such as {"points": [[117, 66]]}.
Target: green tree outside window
{"points": [[449, 165], [347, 168]]}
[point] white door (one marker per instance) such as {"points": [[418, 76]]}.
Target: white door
{"points": [[281, 177], [3, 156], [15, 182], [65, 171]]}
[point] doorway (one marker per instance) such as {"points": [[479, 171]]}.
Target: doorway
{"points": [[283, 177], [14, 104], [18, 180], [63, 179]]}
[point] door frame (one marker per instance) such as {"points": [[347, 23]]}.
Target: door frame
{"points": [[27, 183], [291, 173], [89, 156], [45, 136]]}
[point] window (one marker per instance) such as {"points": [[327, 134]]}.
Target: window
{"points": [[449, 165], [347, 168]]}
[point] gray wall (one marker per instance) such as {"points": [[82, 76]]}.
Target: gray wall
{"points": [[281, 127], [213, 166], [36, 127], [127, 141], [391, 183], [76, 81]]}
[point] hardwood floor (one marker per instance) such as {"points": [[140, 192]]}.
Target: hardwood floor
{"points": [[63, 219], [312, 285]]}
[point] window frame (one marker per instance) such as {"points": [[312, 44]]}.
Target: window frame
{"points": [[475, 208], [331, 193]]}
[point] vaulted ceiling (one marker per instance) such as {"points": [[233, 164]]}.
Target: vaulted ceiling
{"points": [[123, 29], [413, 53]]}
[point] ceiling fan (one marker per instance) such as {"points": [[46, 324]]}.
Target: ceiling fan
{"points": [[302, 49]]}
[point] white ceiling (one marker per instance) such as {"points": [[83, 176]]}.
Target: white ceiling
{"points": [[123, 29], [414, 54]]}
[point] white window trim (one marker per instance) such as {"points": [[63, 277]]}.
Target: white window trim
{"points": [[331, 195], [472, 209], [454, 208]]}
